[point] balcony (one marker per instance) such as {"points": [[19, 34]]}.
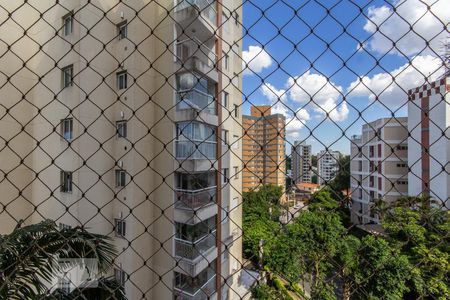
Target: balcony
{"points": [[193, 292], [195, 55], [194, 200], [193, 250], [196, 150], [197, 16], [195, 257], [197, 100]]}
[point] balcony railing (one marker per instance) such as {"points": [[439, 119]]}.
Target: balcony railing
{"points": [[195, 99], [188, 149], [192, 200], [205, 7], [193, 48], [192, 250], [189, 292]]}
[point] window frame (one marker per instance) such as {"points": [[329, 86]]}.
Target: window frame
{"points": [[225, 99], [236, 111], [66, 182], [65, 18], [225, 176], [120, 176], [67, 122], [120, 228], [122, 129], [122, 85], [122, 30], [64, 73]]}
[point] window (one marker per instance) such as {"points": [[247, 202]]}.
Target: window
{"points": [[64, 284], [67, 129], [120, 276], [120, 228], [122, 80], [68, 24], [122, 30], [67, 76], [401, 165], [236, 111], [63, 226], [225, 138], [225, 98], [120, 178], [121, 128], [402, 182], [402, 147], [236, 172], [226, 61], [66, 181], [225, 174], [235, 142]]}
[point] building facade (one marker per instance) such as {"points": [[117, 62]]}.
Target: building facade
{"points": [[263, 148], [301, 162], [115, 124], [327, 166], [378, 166], [429, 143]]}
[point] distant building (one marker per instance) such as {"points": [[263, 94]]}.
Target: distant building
{"points": [[327, 165], [301, 162], [378, 166], [429, 143], [301, 193], [263, 148]]}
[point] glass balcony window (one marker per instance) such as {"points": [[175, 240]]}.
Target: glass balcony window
{"points": [[195, 141], [195, 288], [207, 8], [195, 190], [195, 92], [193, 241], [193, 48]]}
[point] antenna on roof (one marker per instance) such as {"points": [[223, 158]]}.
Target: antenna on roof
{"points": [[445, 56]]}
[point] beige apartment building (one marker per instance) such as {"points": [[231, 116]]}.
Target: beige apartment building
{"points": [[110, 119], [378, 166], [263, 148], [301, 163]]}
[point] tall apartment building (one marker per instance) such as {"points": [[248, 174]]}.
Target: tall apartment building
{"points": [[301, 162], [263, 148], [429, 143], [114, 124], [378, 166], [327, 165]]}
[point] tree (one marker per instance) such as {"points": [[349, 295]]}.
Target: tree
{"points": [[348, 262], [323, 200], [382, 272], [29, 257]]}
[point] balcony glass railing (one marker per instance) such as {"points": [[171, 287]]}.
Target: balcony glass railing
{"points": [[207, 8], [194, 49], [192, 250], [195, 292], [191, 149], [195, 99], [192, 200]]}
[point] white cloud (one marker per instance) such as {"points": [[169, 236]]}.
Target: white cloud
{"points": [[256, 59], [428, 25], [297, 122], [408, 76], [277, 98], [323, 94]]}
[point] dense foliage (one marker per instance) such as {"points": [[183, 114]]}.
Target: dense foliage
{"points": [[409, 261], [29, 261]]}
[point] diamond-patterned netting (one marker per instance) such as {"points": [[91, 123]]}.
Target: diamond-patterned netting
{"points": [[201, 149]]}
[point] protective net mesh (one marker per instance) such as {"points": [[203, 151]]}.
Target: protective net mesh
{"points": [[230, 149]]}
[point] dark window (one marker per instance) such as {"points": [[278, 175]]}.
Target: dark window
{"points": [[122, 80], [66, 181], [67, 76], [121, 178], [120, 228], [67, 129], [121, 128]]}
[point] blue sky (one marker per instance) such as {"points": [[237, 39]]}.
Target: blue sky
{"points": [[286, 49]]}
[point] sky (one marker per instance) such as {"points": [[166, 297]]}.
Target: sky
{"points": [[330, 66]]}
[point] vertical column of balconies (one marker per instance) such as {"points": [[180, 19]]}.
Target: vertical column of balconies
{"points": [[195, 193]]}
